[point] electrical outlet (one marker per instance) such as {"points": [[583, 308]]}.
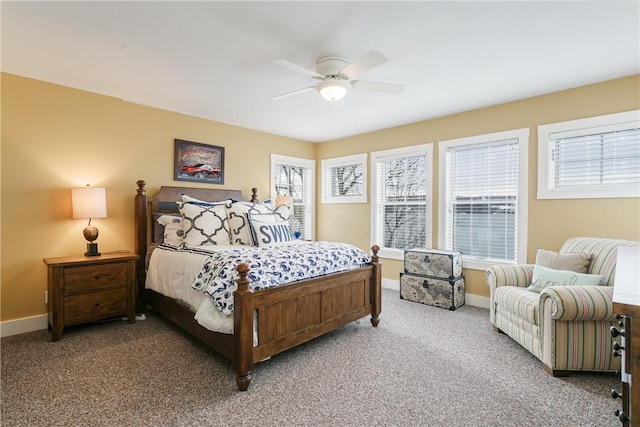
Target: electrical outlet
{"points": [[46, 297]]}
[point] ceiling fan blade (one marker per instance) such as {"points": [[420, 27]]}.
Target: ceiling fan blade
{"points": [[295, 92], [363, 64], [297, 68], [391, 88]]}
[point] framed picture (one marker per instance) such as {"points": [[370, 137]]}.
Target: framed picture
{"points": [[198, 162]]}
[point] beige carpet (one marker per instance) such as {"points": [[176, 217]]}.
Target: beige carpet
{"points": [[423, 366]]}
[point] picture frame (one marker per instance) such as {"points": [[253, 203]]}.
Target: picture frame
{"points": [[197, 162]]}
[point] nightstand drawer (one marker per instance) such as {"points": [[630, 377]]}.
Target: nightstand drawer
{"points": [[81, 307], [94, 277]]}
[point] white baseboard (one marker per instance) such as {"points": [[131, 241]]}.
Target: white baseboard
{"points": [[469, 299], [20, 326]]}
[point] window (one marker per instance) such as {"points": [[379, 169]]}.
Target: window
{"points": [[483, 197], [598, 157], [291, 176], [344, 179], [401, 199]]}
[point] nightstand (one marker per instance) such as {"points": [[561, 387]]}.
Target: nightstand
{"points": [[84, 289]]}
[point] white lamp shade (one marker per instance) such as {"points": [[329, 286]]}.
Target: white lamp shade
{"points": [[333, 90], [89, 202], [285, 200]]}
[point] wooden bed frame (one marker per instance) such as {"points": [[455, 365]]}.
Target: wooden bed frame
{"points": [[287, 315]]}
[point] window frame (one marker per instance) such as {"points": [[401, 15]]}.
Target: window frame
{"points": [[522, 135], [410, 151], [278, 159], [586, 126], [328, 165]]}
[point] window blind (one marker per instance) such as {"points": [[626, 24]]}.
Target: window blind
{"points": [[401, 201], [297, 181], [346, 180], [481, 196], [608, 158]]}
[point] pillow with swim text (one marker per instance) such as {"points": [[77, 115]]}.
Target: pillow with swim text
{"points": [[269, 229], [239, 223]]}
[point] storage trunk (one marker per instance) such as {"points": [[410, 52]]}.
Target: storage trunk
{"points": [[433, 262], [433, 291]]}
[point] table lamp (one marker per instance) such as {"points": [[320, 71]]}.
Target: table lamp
{"points": [[89, 203]]}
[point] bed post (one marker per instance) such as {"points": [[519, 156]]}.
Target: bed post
{"points": [[376, 290], [140, 242], [243, 328]]}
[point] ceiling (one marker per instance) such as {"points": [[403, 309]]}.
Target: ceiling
{"points": [[212, 59]]}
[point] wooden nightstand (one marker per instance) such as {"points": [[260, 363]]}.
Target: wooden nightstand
{"points": [[83, 289]]}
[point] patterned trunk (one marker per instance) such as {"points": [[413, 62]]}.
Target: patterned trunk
{"points": [[433, 277]]}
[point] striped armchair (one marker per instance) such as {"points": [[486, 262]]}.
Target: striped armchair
{"points": [[566, 327]]}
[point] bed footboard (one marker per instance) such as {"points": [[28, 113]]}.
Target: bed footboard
{"points": [[290, 315]]}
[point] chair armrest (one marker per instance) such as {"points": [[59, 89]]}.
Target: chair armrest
{"points": [[577, 303], [509, 275]]}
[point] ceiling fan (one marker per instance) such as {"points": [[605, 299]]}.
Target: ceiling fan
{"points": [[336, 76]]}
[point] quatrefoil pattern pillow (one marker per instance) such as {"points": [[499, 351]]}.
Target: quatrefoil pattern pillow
{"points": [[204, 224]]}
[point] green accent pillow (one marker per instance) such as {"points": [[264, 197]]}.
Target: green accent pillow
{"points": [[544, 277]]}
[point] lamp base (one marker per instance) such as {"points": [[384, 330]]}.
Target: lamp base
{"points": [[92, 250]]}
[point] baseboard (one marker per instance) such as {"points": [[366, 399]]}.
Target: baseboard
{"points": [[469, 299], [20, 326]]}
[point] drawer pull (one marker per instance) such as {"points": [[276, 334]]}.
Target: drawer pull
{"points": [[97, 304], [97, 277]]}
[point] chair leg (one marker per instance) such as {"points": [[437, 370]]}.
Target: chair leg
{"points": [[556, 372]]}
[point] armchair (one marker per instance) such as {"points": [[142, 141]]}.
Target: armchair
{"points": [[566, 327]]}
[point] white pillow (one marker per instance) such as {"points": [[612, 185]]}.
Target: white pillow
{"points": [[239, 223], [173, 233], [269, 230], [186, 198], [204, 223]]}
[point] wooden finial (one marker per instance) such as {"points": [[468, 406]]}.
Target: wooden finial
{"points": [[375, 249], [141, 190], [243, 283], [254, 195]]}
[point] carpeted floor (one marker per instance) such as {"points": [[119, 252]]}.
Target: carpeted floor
{"points": [[423, 366]]}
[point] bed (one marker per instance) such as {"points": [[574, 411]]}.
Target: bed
{"points": [[266, 321]]}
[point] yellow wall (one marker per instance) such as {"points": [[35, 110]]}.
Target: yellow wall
{"points": [[55, 138], [551, 222]]}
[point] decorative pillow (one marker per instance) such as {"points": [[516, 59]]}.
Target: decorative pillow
{"points": [[571, 261], [172, 233], [186, 198], [269, 229], [544, 277], [204, 224], [238, 221]]}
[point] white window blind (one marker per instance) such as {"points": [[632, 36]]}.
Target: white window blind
{"points": [[590, 158], [402, 199], [295, 177], [344, 179], [482, 199]]}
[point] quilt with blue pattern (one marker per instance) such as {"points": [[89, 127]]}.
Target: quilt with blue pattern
{"points": [[270, 266]]}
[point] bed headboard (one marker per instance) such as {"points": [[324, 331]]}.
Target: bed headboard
{"points": [[164, 201]]}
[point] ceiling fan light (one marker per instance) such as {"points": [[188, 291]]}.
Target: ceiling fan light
{"points": [[333, 90]]}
